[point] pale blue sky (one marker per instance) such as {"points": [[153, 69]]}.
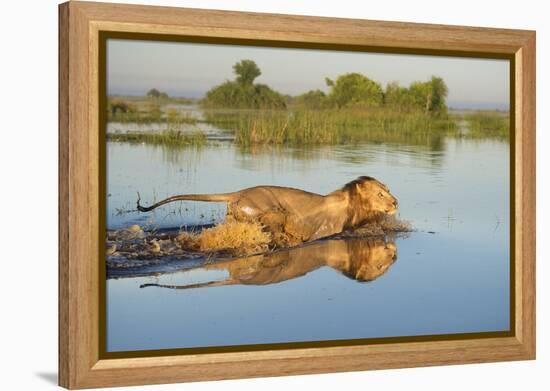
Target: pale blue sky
{"points": [[189, 70]]}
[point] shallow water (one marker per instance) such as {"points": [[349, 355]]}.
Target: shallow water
{"points": [[450, 276]]}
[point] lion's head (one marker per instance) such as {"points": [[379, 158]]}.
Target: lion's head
{"points": [[369, 259], [370, 196]]}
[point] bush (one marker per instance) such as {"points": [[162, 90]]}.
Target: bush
{"points": [[354, 89], [232, 94], [312, 100]]}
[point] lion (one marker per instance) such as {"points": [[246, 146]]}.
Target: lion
{"points": [[296, 216], [359, 259]]}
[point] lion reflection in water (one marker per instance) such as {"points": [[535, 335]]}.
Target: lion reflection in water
{"points": [[356, 258]]}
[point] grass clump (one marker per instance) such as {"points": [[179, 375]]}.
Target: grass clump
{"points": [[236, 238], [170, 137], [145, 111], [488, 124]]}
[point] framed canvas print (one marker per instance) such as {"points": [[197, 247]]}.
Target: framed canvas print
{"points": [[248, 195]]}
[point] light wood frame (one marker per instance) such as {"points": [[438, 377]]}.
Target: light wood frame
{"points": [[80, 24]]}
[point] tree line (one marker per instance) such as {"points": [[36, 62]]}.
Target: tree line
{"points": [[350, 90]]}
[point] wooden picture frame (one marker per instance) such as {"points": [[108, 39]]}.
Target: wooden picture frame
{"points": [[81, 364]]}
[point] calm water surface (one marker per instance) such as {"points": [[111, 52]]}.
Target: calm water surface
{"points": [[450, 276]]}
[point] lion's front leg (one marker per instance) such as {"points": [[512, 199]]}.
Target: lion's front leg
{"points": [[274, 221]]}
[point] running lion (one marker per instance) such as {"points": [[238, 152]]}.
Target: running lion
{"points": [[295, 216]]}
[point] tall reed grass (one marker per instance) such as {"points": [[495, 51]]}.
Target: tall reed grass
{"points": [[490, 124], [326, 126], [168, 137]]}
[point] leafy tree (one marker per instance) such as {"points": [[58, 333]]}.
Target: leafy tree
{"points": [[354, 89], [246, 71], [265, 97], [430, 96], [439, 96], [398, 98], [314, 99], [421, 94], [153, 93]]}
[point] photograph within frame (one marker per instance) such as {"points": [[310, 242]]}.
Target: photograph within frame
{"points": [[259, 346]]}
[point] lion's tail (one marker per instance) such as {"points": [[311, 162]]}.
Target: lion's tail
{"points": [[225, 197]]}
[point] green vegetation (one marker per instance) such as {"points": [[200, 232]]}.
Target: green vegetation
{"points": [[153, 93], [242, 93], [246, 71], [354, 90], [168, 137], [157, 95], [427, 97], [488, 124], [300, 127], [311, 100], [237, 96], [143, 111], [354, 109], [183, 101]]}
